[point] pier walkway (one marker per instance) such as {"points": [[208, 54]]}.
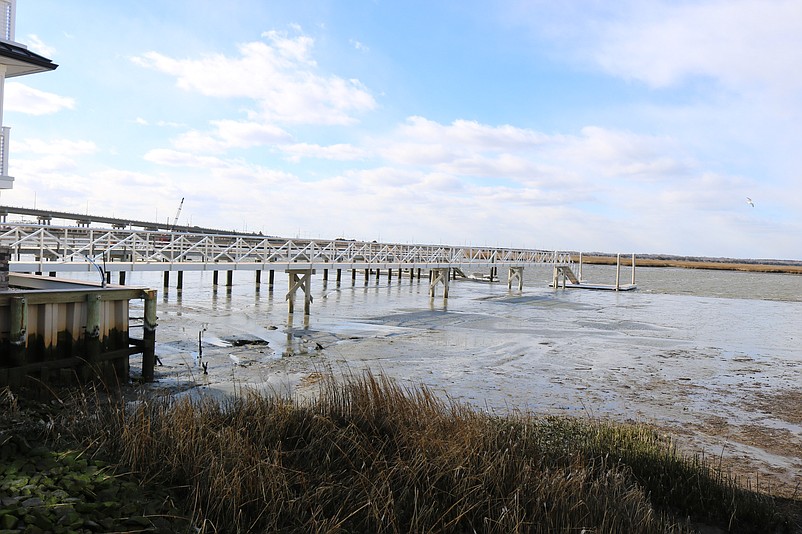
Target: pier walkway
{"points": [[46, 248]]}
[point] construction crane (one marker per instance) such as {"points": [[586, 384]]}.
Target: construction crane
{"points": [[177, 213]]}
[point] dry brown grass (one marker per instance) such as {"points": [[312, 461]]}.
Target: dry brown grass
{"points": [[369, 455], [692, 264]]}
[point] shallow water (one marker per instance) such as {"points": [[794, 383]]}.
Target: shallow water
{"points": [[703, 324]]}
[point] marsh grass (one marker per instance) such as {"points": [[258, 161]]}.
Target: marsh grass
{"points": [[369, 455]]}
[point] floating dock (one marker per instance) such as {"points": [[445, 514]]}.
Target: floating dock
{"points": [[573, 280]]}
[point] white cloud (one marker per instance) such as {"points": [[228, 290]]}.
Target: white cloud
{"points": [[23, 99], [34, 43], [337, 152], [741, 43], [358, 45], [279, 75], [231, 134], [66, 147], [470, 133], [176, 158]]}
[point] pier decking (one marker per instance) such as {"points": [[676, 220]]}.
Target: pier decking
{"points": [[47, 248]]}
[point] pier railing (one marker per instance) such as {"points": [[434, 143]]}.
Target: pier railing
{"points": [[38, 247]]}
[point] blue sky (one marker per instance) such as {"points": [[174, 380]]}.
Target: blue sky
{"points": [[633, 126]]}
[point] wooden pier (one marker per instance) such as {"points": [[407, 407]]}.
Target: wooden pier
{"points": [[65, 332], [47, 248]]}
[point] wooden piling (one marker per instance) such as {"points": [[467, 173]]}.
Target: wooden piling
{"points": [[270, 277], [18, 331], [122, 278], [215, 278], [92, 339], [229, 278], [633, 270], [180, 282], [300, 279], [438, 276], [149, 337], [339, 276], [166, 279]]}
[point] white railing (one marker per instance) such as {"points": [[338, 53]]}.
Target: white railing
{"points": [[8, 15], [5, 134], [55, 248]]}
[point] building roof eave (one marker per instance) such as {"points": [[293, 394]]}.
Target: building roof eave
{"points": [[20, 61]]}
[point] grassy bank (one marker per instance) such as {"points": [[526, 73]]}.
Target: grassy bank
{"points": [[371, 456], [729, 265]]}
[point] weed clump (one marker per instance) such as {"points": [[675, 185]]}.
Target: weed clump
{"points": [[368, 455]]}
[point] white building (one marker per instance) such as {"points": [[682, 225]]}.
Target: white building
{"points": [[15, 60]]}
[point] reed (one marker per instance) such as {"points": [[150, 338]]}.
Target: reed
{"points": [[369, 455]]}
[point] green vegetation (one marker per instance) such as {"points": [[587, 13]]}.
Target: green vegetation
{"points": [[369, 455]]}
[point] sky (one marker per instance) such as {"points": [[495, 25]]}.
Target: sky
{"points": [[636, 126]]}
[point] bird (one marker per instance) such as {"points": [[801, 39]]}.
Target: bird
{"points": [[749, 201]]}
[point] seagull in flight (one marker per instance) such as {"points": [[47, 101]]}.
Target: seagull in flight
{"points": [[749, 201]]}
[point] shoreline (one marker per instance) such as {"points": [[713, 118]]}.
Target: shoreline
{"points": [[713, 265]]}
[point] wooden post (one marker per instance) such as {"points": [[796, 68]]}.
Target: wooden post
{"points": [[270, 280], [149, 336], [633, 269], [339, 276], [258, 278], [122, 278], [18, 331], [516, 272], [617, 272], [367, 276], [437, 276], [389, 275], [166, 279], [300, 279], [180, 283], [215, 277], [5, 256], [353, 277], [92, 335], [580, 267], [325, 275], [229, 278], [378, 274]]}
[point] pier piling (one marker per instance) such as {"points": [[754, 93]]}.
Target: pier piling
{"points": [[300, 279], [149, 336]]}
